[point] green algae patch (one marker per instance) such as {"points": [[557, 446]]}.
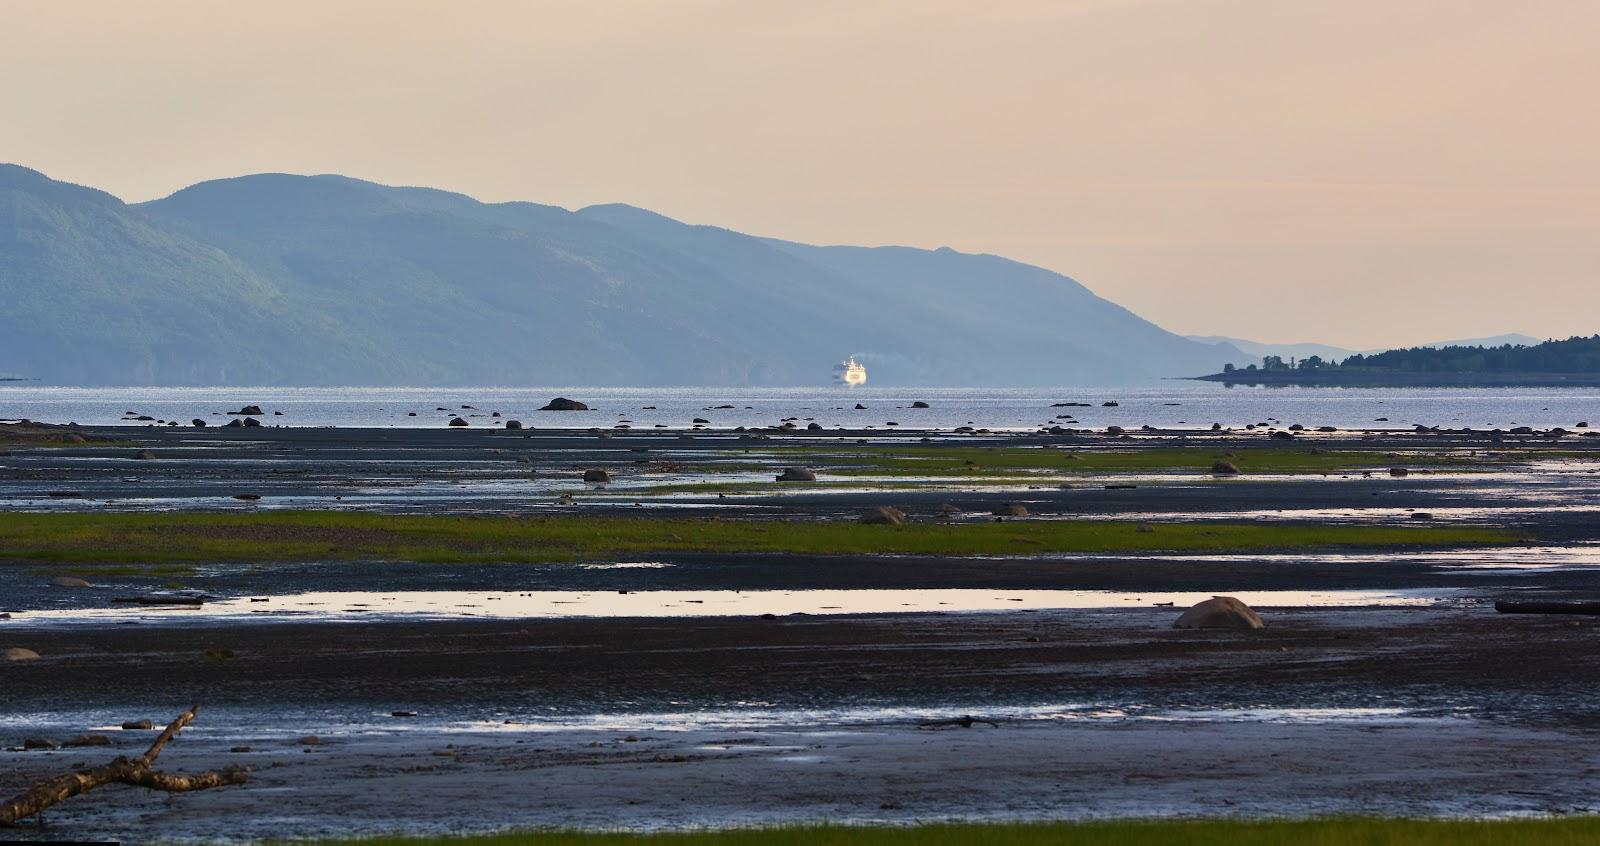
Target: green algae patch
{"points": [[315, 536]]}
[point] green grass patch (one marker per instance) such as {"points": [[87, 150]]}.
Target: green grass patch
{"points": [[978, 461], [1322, 832], [314, 535]]}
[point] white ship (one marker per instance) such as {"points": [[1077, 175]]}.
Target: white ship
{"points": [[851, 372]]}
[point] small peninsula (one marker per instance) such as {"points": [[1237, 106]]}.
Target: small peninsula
{"points": [[1574, 362]]}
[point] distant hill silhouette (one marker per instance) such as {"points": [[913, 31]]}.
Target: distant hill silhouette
{"points": [[280, 279]]}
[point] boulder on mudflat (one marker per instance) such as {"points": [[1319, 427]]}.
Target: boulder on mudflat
{"points": [[564, 404], [596, 475], [884, 515], [68, 582], [17, 653], [1220, 612], [796, 474]]}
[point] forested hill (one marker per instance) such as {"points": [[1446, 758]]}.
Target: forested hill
{"points": [[1574, 355], [1574, 361]]}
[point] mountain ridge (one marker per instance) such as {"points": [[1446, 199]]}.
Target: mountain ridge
{"points": [[278, 278]]}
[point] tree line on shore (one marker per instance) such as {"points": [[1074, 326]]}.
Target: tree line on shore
{"points": [[1574, 355]]}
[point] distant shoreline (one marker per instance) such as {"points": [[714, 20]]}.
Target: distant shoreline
{"points": [[1350, 377]]}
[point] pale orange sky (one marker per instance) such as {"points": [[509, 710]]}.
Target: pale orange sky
{"points": [[1356, 173]]}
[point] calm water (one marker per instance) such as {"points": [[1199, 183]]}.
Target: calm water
{"points": [[1180, 404]]}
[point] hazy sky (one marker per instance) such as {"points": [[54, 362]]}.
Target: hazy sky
{"points": [[1357, 173]]}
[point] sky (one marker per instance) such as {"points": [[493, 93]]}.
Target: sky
{"points": [[1360, 173]]}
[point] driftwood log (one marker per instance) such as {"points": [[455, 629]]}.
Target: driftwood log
{"points": [[1505, 606], [124, 770]]}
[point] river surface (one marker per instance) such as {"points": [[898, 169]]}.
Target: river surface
{"points": [[1177, 404]]}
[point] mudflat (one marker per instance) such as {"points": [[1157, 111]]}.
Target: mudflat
{"points": [[1384, 682]]}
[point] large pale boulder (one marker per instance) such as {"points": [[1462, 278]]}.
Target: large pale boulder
{"points": [[17, 653], [1220, 612]]}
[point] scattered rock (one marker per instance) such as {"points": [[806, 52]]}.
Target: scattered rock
{"points": [[1109, 404], [813, 427], [458, 422], [68, 582], [884, 515], [1011, 509], [137, 725], [796, 474], [1114, 430], [513, 424], [564, 404], [596, 475], [919, 404], [700, 421], [88, 740], [860, 407], [17, 653], [40, 743], [251, 421], [198, 423], [1220, 612], [234, 423], [1282, 436], [1399, 471], [247, 410]]}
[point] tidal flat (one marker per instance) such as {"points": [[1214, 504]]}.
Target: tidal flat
{"points": [[481, 640]]}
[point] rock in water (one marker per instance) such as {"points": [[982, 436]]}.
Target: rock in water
{"points": [[1220, 612], [564, 404], [919, 404], [137, 725], [249, 409], [456, 421], [596, 475], [17, 653], [797, 474], [884, 515]]}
